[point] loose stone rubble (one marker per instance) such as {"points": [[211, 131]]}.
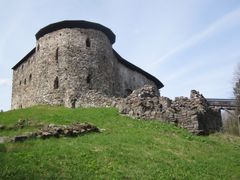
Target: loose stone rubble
{"points": [[193, 114], [73, 130], [3, 139], [2, 126], [52, 130]]}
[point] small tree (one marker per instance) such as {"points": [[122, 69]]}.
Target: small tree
{"points": [[232, 124], [236, 89], [235, 119]]}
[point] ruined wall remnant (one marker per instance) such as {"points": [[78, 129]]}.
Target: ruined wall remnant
{"points": [[75, 65], [193, 114]]}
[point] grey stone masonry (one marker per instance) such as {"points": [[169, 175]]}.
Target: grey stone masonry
{"points": [[193, 114], [72, 58]]}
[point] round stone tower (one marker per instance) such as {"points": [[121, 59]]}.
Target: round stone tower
{"points": [[74, 64], [74, 60]]}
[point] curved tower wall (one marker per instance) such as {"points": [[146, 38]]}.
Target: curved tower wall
{"points": [[69, 62], [79, 59]]}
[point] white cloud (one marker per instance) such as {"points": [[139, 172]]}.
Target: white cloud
{"points": [[226, 21], [5, 82]]}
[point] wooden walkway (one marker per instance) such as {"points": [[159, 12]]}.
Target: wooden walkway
{"points": [[229, 104]]}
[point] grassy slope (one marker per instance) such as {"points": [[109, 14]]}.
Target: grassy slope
{"points": [[126, 149]]}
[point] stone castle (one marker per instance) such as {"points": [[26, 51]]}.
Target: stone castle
{"points": [[70, 59], [74, 64]]}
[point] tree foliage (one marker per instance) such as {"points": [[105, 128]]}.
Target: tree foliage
{"points": [[236, 88]]}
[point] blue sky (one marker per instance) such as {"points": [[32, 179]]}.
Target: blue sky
{"points": [[187, 44]]}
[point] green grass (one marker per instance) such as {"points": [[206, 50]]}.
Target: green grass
{"points": [[127, 149]]}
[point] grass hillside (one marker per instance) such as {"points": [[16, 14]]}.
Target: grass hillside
{"points": [[126, 149]]}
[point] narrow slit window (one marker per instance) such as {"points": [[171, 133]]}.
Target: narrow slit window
{"points": [[89, 79], [88, 43], [56, 83], [73, 103], [25, 81], [20, 83], [30, 77], [56, 55]]}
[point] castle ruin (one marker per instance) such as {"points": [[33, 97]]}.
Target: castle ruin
{"points": [[74, 64], [70, 59]]}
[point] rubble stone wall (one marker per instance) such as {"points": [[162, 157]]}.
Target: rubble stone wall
{"points": [[25, 84], [193, 114], [66, 65]]}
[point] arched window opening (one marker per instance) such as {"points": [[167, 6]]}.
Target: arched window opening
{"points": [[25, 81], [56, 83], [88, 43], [30, 77], [56, 55]]}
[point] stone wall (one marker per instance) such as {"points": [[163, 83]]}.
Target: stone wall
{"points": [[127, 80], [192, 113], [24, 84], [67, 64]]}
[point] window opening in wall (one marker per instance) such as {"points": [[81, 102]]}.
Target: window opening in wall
{"points": [[22, 66], [38, 47], [56, 55], [20, 107], [88, 43], [56, 83], [128, 92], [89, 79], [73, 103], [20, 82], [25, 81], [30, 77]]}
